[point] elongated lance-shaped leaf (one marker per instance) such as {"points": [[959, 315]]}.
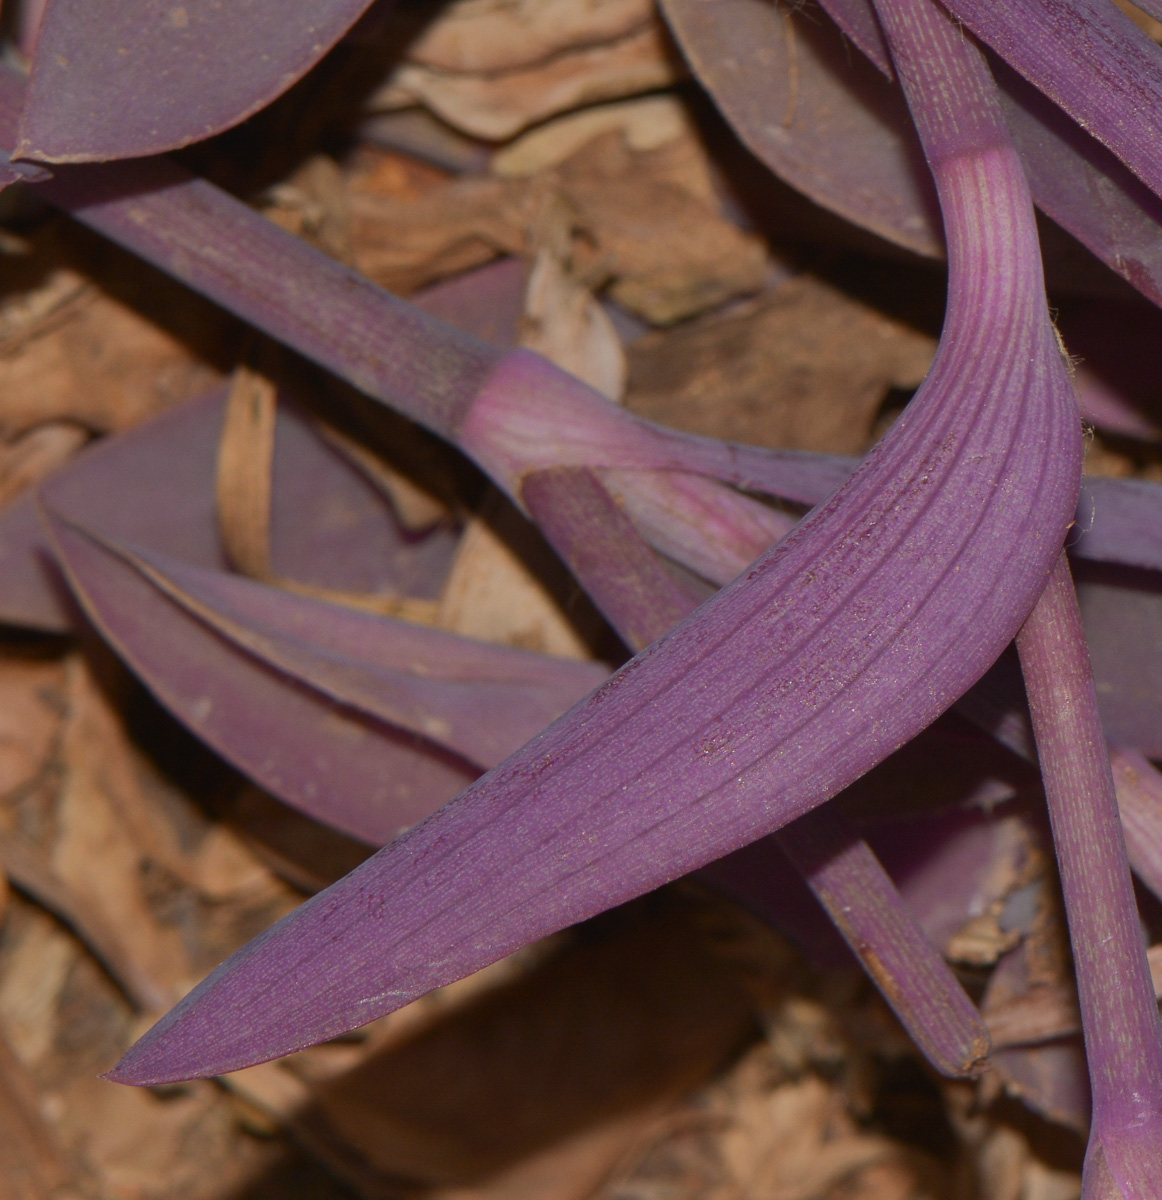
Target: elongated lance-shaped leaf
{"points": [[841, 643], [642, 601], [1089, 58], [154, 486], [123, 78], [481, 702], [358, 774], [1123, 1036], [219, 651]]}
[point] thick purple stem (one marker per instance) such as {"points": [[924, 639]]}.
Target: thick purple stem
{"points": [[846, 877], [1123, 1037]]}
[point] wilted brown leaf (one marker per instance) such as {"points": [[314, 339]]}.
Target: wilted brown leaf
{"points": [[668, 252], [501, 35], [498, 105], [805, 367], [70, 350]]}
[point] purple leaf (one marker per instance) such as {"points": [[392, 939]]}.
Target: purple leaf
{"points": [[350, 770], [841, 643], [124, 78], [642, 601], [821, 119], [1089, 58], [434, 697], [154, 486]]}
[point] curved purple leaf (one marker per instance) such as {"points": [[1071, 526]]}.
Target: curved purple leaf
{"points": [[642, 601], [842, 642], [477, 700], [124, 78], [821, 118]]}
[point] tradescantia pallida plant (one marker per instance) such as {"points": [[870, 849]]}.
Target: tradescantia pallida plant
{"points": [[740, 716]]}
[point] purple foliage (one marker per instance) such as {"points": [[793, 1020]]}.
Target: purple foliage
{"points": [[117, 80], [832, 643]]}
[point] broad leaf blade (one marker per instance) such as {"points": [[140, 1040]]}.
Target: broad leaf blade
{"points": [[124, 78]]}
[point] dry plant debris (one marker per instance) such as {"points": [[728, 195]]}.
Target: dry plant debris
{"points": [[675, 1049]]}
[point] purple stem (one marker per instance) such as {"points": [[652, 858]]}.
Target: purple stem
{"points": [[621, 574], [1119, 1014], [846, 877]]}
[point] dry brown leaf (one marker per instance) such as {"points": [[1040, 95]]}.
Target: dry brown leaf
{"points": [[186, 1146], [645, 123], [36, 454], [495, 594], [37, 958], [31, 711], [312, 204], [564, 322], [32, 1166], [500, 35], [245, 472], [575, 1168], [619, 1022], [110, 842], [497, 106], [757, 1134], [29, 868], [70, 351], [804, 368], [643, 221], [669, 253], [404, 244]]}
